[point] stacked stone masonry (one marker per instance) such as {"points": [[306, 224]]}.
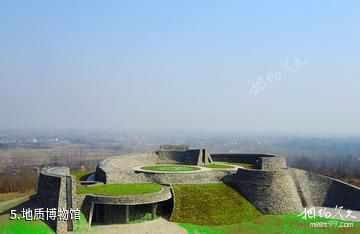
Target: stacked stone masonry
{"points": [[272, 187]]}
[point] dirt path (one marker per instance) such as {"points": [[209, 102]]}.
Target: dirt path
{"points": [[5, 203], [158, 226]]}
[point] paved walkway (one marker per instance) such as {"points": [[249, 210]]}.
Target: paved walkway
{"points": [[158, 226]]}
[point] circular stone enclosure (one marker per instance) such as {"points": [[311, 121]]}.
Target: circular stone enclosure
{"points": [[170, 169]]}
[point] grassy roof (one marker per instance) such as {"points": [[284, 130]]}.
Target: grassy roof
{"points": [[211, 204]]}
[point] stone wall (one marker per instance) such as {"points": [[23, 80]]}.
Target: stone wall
{"points": [[171, 156], [140, 199], [188, 157], [120, 169], [186, 178], [271, 192], [123, 177], [318, 190], [174, 147], [271, 163], [239, 158], [52, 193]]}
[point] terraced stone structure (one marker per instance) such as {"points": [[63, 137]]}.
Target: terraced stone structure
{"points": [[266, 182]]}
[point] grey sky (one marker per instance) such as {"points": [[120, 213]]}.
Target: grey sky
{"points": [[183, 65]]}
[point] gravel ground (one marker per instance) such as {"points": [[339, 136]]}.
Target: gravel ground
{"points": [[158, 226]]}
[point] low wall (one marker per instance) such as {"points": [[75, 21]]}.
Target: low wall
{"points": [[54, 187], [271, 192], [318, 190], [239, 158]]}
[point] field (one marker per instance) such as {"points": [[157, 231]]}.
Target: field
{"points": [[119, 189]]}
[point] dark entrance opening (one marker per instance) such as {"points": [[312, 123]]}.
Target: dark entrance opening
{"points": [[116, 214]]}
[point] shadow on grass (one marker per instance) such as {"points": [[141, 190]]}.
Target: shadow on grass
{"points": [[28, 204]]}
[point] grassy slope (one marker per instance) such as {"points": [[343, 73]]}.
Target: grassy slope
{"points": [[119, 189], [211, 204], [170, 168], [20, 226], [271, 224], [223, 207]]}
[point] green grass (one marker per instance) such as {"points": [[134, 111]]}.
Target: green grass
{"points": [[119, 189], [170, 168], [82, 175], [272, 224], [20, 226], [211, 204], [218, 166]]}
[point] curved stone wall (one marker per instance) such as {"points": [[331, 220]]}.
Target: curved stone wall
{"points": [[140, 199], [271, 163], [185, 178], [56, 189], [240, 158], [120, 170], [188, 157], [318, 190], [271, 192]]}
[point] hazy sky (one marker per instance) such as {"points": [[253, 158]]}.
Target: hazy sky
{"points": [[181, 65]]}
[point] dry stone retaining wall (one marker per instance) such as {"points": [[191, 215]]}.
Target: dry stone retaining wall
{"points": [[318, 190], [239, 158], [53, 193], [120, 170], [271, 192], [271, 163]]}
